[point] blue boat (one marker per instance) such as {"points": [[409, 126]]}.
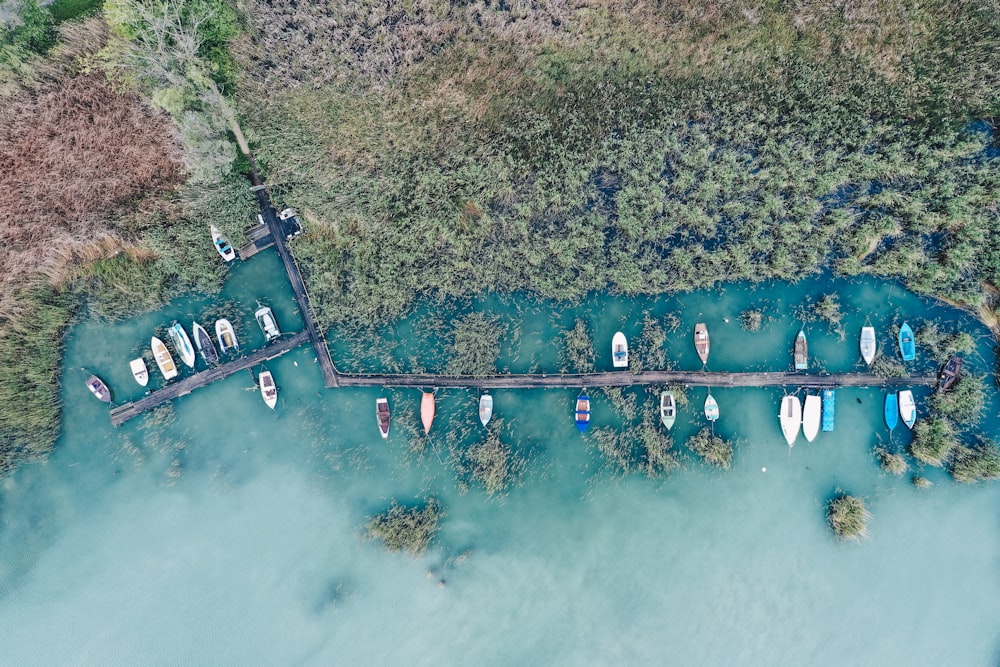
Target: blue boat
{"points": [[891, 410], [582, 412], [906, 344], [829, 406]]}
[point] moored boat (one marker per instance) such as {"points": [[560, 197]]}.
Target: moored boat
{"points": [[701, 342], [139, 371], [790, 417], [619, 350], [182, 344], [907, 408], [668, 409], [99, 389], [485, 408], [427, 410], [163, 359], [811, 416], [582, 412], [222, 244], [801, 352], [204, 344], [382, 415], [891, 410], [829, 408], [949, 374], [265, 318], [226, 336], [268, 390], [906, 345], [711, 408], [868, 344]]}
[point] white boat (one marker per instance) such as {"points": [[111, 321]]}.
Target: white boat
{"points": [[265, 318], [182, 344], [99, 389], [163, 358], [139, 371], [668, 409], [226, 336], [222, 244], [811, 413], [268, 390], [382, 416], [907, 408], [204, 344], [711, 408], [790, 417], [485, 408], [868, 345], [619, 350]]}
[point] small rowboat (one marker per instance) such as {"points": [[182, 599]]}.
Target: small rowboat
{"points": [[226, 336], [619, 350], [268, 390], [907, 408], [811, 413], [222, 244], [182, 344], [790, 418], [701, 341], [99, 389], [582, 412], [711, 408], [163, 358], [801, 352], [269, 325], [668, 409], [485, 408], [427, 410], [906, 345], [949, 374], [891, 410], [868, 345], [204, 344], [139, 371], [382, 415]]}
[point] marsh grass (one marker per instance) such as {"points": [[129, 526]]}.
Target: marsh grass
{"points": [[577, 351], [848, 517], [712, 449], [963, 404], [892, 463], [979, 462], [933, 441], [406, 529]]}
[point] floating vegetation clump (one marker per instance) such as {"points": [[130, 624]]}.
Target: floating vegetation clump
{"points": [[942, 344], [885, 367], [616, 447], [751, 320], [977, 463], [933, 440], [656, 445], [848, 517], [964, 403], [492, 462], [409, 529], [711, 448], [892, 463], [921, 482]]}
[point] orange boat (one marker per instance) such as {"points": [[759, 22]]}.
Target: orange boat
{"points": [[427, 410]]}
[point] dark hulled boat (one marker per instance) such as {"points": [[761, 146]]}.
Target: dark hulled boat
{"points": [[949, 374]]}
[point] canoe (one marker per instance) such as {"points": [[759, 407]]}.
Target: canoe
{"points": [[711, 408], [829, 408], [182, 344], [891, 410], [382, 416], [801, 352], [582, 412], [811, 412], [868, 344], [226, 336], [204, 344], [222, 244], [265, 318], [790, 417], [163, 358], [485, 408], [668, 409], [701, 341], [427, 410], [907, 408], [619, 350], [99, 389], [949, 374], [139, 371], [268, 390], [906, 345]]}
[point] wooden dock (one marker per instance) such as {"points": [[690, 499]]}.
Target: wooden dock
{"points": [[122, 413], [258, 238]]}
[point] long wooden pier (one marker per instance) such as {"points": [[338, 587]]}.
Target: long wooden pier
{"points": [[122, 413]]}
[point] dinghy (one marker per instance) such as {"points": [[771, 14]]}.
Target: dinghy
{"points": [[182, 344], [139, 371], [811, 416], [891, 410], [907, 408], [829, 408], [222, 244], [427, 410], [711, 408], [382, 415], [949, 374], [582, 412], [265, 318], [485, 408], [868, 345], [163, 358], [801, 352], [226, 336], [204, 344], [619, 350], [906, 345], [268, 390], [668, 409], [790, 417], [701, 341], [99, 389]]}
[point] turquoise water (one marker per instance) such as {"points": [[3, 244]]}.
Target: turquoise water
{"points": [[225, 533]]}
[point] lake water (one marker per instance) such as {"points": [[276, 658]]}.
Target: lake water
{"points": [[220, 532]]}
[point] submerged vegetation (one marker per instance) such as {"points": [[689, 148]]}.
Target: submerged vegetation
{"points": [[848, 517], [492, 462], [711, 448], [933, 440], [891, 462], [409, 529], [977, 463]]}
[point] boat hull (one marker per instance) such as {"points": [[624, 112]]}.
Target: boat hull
{"points": [[801, 352], [701, 342], [427, 411], [382, 416], [829, 409], [811, 414], [711, 408], [139, 371], [222, 245], [619, 350], [868, 345], [226, 336], [269, 325], [582, 412], [949, 374], [891, 411], [907, 347], [485, 408], [99, 389], [164, 361], [268, 390], [907, 408], [790, 418], [204, 343], [182, 344], [668, 409]]}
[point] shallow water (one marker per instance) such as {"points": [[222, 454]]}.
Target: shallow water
{"points": [[220, 532]]}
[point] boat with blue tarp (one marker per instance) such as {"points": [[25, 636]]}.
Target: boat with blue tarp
{"points": [[829, 408]]}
